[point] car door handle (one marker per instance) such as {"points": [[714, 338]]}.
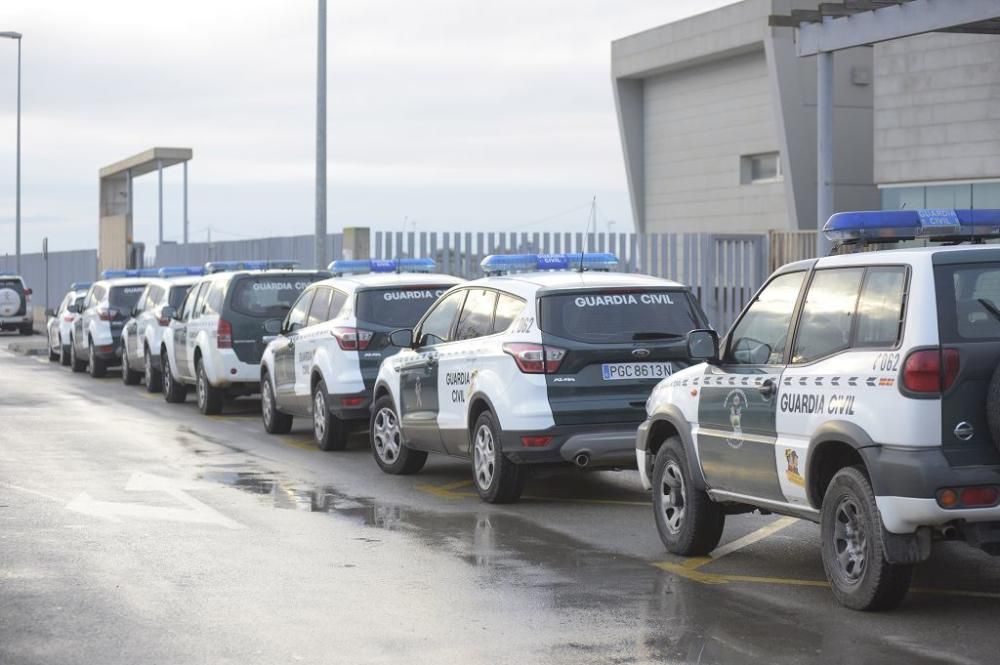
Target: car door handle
{"points": [[767, 389]]}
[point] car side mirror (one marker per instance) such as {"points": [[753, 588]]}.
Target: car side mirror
{"points": [[49, 311], [703, 345], [402, 338], [169, 312]]}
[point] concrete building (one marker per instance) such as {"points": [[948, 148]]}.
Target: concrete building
{"points": [[717, 115]]}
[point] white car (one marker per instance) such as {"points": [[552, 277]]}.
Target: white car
{"points": [[860, 391], [216, 339], [96, 336], [59, 324], [324, 363], [15, 305], [143, 333], [549, 365]]}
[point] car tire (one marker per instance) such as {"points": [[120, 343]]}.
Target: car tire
{"points": [[27, 329], [64, 356], [174, 391], [75, 363], [853, 555], [688, 521], [329, 431], [153, 377], [53, 355], [497, 479], [129, 376], [390, 451], [95, 366], [210, 398], [275, 422]]}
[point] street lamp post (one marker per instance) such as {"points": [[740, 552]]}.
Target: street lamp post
{"points": [[17, 195]]}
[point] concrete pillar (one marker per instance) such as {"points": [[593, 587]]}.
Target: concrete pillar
{"points": [[159, 171], [824, 147], [185, 203], [321, 237], [357, 243]]}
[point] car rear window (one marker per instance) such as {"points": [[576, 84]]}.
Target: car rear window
{"points": [[14, 284], [125, 297], [398, 307], [176, 295], [269, 296], [968, 301], [618, 316]]}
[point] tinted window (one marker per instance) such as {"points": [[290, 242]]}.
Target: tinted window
{"points": [[508, 308], [476, 319], [398, 307], [217, 294], [601, 316], [199, 303], [880, 309], [320, 307], [969, 301], [125, 298], [337, 304], [761, 335], [297, 316], [189, 301], [177, 294], [14, 284], [828, 314], [436, 328], [153, 295], [268, 296]]}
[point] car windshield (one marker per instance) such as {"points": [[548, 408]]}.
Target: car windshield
{"points": [[618, 316], [269, 296], [176, 295], [397, 307], [125, 297]]}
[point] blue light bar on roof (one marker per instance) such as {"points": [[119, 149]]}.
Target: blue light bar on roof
{"points": [[896, 225], [132, 272], [365, 266], [181, 271], [496, 264], [79, 286], [229, 266]]}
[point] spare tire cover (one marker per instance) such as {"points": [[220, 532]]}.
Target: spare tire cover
{"points": [[10, 302]]}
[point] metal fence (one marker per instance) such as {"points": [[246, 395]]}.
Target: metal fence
{"points": [[294, 248], [61, 269]]}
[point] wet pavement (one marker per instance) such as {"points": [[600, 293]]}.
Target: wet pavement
{"points": [[131, 529]]}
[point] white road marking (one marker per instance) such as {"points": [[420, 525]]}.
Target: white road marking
{"points": [[751, 538], [196, 512], [31, 491]]}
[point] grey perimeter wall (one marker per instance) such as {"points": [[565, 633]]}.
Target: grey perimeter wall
{"points": [[62, 268]]}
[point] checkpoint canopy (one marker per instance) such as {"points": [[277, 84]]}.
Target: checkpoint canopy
{"points": [[117, 248]]}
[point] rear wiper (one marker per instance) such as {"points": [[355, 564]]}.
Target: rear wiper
{"points": [[989, 307], [654, 335]]}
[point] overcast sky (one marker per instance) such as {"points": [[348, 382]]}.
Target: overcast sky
{"points": [[456, 114]]}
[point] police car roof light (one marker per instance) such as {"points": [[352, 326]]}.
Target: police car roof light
{"points": [[181, 271], [496, 264], [79, 286], [365, 266], [882, 226], [229, 266], [131, 272]]}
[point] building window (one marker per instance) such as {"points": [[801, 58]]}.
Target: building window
{"points": [[762, 168], [943, 195]]}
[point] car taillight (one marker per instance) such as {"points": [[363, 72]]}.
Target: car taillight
{"points": [[352, 339], [930, 370], [224, 334], [105, 314], [535, 358], [163, 321], [535, 441], [27, 294], [968, 497]]}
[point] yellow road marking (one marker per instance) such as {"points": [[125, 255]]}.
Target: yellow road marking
{"points": [[299, 443], [449, 491], [751, 538]]}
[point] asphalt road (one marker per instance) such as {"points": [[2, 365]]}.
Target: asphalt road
{"points": [[132, 530]]}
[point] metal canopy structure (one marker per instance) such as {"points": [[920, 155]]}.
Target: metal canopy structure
{"points": [[835, 26]]}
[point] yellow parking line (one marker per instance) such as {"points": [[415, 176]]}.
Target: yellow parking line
{"points": [[299, 443]]}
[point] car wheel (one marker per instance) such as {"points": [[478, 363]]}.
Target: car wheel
{"points": [[64, 354], [174, 391], [497, 479], [154, 380], [210, 398], [329, 431], [97, 367], [129, 376], [853, 556], [53, 354], [388, 447], [688, 521], [75, 363], [275, 422]]}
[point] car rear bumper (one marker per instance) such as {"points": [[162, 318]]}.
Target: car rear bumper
{"points": [[600, 446], [12, 322]]}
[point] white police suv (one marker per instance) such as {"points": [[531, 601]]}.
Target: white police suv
{"points": [[860, 391], [95, 339], [217, 337], [15, 305], [334, 339], [142, 335], [60, 321], [549, 365]]}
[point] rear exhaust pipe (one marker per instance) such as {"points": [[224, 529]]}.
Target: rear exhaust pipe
{"points": [[949, 533], [582, 460]]}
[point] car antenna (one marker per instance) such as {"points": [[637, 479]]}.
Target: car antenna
{"points": [[591, 218]]}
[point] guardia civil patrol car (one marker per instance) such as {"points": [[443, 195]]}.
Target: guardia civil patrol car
{"points": [[15, 305], [324, 362], [547, 360], [217, 337], [59, 325], [860, 391], [142, 335]]}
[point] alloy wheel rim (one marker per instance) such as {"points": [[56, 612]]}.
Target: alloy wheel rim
{"points": [[484, 457], [201, 387], [672, 504], [168, 379], [148, 366], [319, 412], [386, 436], [850, 541]]}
